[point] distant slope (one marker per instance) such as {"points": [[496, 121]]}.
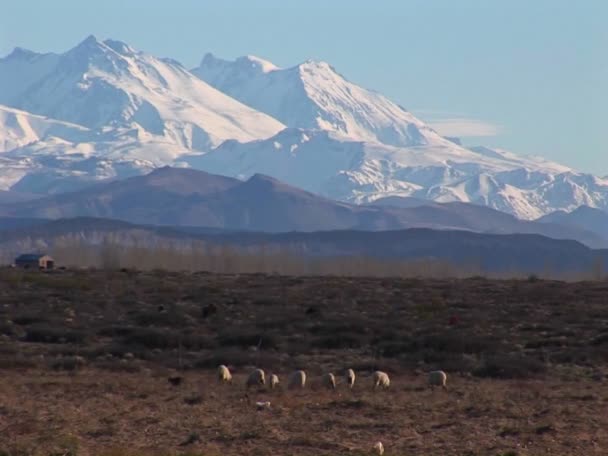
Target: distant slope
{"points": [[484, 219], [485, 252], [12, 223], [588, 218], [159, 198], [489, 252], [186, 197], [9, 197]]}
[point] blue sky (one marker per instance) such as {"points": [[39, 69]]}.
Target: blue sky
{"points": [[530, 76]]}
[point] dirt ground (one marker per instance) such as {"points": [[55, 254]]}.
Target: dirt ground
{"points": [[86, 358], [95, 413]]}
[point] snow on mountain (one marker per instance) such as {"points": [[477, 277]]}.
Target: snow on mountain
{"points": [[104, 111], [336, 167], [313, 95], [42, 155], [589, 218], [321, 162], [98, 84], [18, 128]]}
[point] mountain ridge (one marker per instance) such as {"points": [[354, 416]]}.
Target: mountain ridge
{"points": [[100, 83], [132, 112], [187, 197]]}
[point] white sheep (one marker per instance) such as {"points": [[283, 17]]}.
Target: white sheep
{"points": [[438, 378], [274, 381], [381, 380], [350, 378], [329, 381], [223, 374], [378, 448], [263, 405], [257, 377], [297, 380]]}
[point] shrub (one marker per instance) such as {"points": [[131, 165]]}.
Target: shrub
{"points": [[395, 349], [7, 329], [116, 331], [68, 363], [509, 367], [600, 340], [49, 335], [339, 340], [16, 362], [159, 318], [238, 358], [245, 340], [26, 320], [165, 339], [152, 338]]}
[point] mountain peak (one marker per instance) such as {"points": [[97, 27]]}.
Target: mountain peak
{"points": [[21, 53], [313, 95], [92, 45], [257, 63], [259, 177], [588, 210], [246, 63], [119, 46], [89, 46], [89, 41], [101, 84], [318, 64], [209, 58]]}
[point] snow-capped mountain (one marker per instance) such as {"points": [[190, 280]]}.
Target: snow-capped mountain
{"points": [[377, 148], [43, 155], [104, 111], [328, 164], [313, 95], [98, 84], [19, 128]]}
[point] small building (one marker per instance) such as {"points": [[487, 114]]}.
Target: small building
{"points": [[34, 261]]}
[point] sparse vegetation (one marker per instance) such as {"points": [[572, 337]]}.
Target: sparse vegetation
{"points": [[521, 356]]}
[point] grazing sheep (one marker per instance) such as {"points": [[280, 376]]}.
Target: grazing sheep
{"points": [[378, 448], [257, 377], [438, 378], [297, 380], [350, 378], [263, 405], [274, 381], [329, 381], [223, 374], [381, 380]]}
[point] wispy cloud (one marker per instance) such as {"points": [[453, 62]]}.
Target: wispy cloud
{"points": [[463, 127], [458, 124]]}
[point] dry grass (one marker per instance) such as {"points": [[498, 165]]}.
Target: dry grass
{"points": [[527, 364], [96, 413]]}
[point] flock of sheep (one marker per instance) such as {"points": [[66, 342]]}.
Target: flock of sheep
{"points": [[297, 380]]}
